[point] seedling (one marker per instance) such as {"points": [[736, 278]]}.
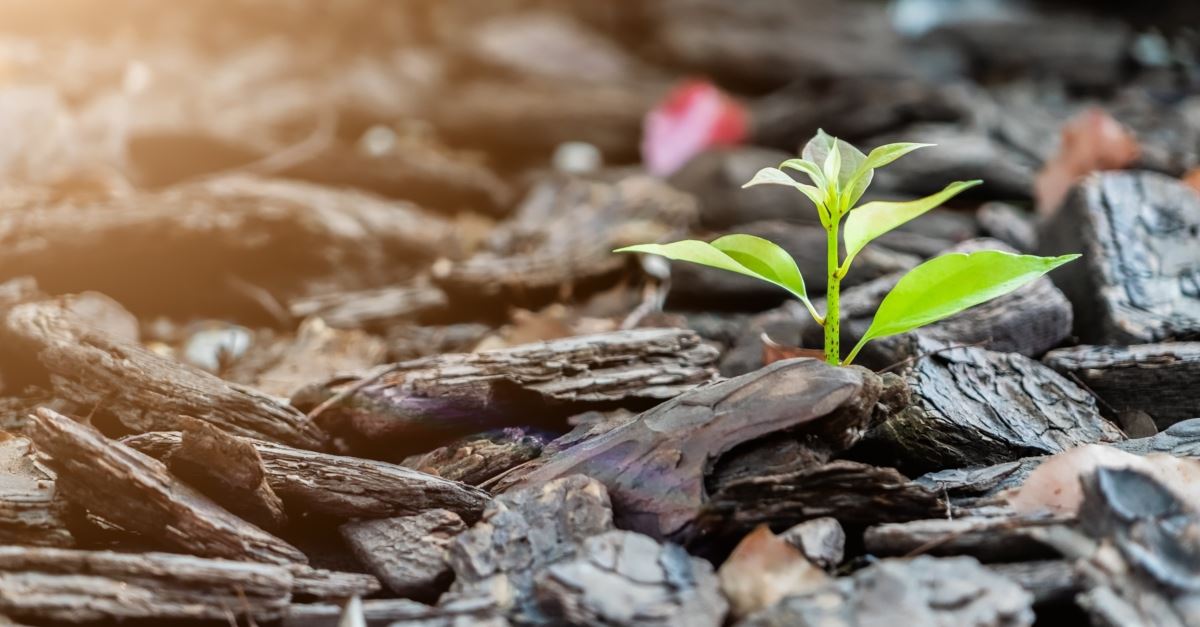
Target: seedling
{"points": [[840, 174]]}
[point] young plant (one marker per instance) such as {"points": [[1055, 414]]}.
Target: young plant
{"points": [[840, 174]]}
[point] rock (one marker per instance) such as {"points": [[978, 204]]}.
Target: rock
{"points": [[762, 570], [1136, 282], [821, 540], [521, 533], [407, 553], [1156, 379], [973, 406], [625, 578], [945, 592]]}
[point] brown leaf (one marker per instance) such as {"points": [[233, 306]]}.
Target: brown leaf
{"points": [[763, 569], [773, 352], [1091, 141]]}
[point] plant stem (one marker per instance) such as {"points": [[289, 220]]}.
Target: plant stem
{"points": [[833, 347]]}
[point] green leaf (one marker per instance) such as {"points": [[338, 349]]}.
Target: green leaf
{"points": [[817, 151], [946, 285], [831, 169], [876, 218], [773, 176], [808, 167], [743, 254], [861, 179]]}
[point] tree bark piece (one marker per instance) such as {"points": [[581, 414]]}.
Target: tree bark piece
{"points": [[136, 492], [407, 553], [229, 470], [82, 586], [376, 309], [973, 406], [172, 251], [396, 613], [342, 487], [145, 391], [1158, 379], [474, 460], [622, 578], [654, 466], [986, 539], [564, 233], [438, 398], [321, 584], [316, 353], [921, 591], [1049, 581], [1136, 283], [31, 511], [521, 533]]}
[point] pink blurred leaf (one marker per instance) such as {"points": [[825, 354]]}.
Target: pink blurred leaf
{"points": [[695, 116], [1091, 141]]}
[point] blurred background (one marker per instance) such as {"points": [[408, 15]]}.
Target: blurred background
{"points": [[439, 169]]}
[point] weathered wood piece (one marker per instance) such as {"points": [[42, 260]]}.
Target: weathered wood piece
{"points": [[31, 511], [396, 613], [136, 492], [407, 342], [1158, 379], [1137, 282], [145, 391], [378, 308], [626, 578], [986, 539], [1049, 581], [973, 406], [228, 470], [655, 466], [316, 353], [342, 487], [564, 232], [476, 459], [407, 553], [71, 586], [174, 250], [921, 591], [321, 584], [451, 395], [821, 540], [522, 532]]}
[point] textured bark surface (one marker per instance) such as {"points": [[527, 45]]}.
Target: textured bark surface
{"points": [[1049, 581], [521, 533], [971, 406], [378, 308], [407, 553], [564, 232], [626, 578], [447, 395], [31, 511], [316, 353], [145, 391], [475, 460], [82, 586], [228, 470], [986, 539], [921, 591], [655, 466], [396, 613], [173, 250], [342, 487], [136, 492], [1136, 282], [1158, 379]]}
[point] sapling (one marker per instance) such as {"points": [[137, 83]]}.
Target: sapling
{"points": [[840, 174]]}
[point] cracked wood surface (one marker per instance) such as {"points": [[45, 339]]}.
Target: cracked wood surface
{"points": [[144, 391], [138, 493], [31, 511]]}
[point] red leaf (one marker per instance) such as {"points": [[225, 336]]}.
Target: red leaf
{"points": [[694, 116]]}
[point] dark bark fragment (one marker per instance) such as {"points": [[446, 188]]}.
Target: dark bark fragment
{"points": [[1049, 581], [228, 470], [1137, 281], [564, 233], [407, 342], [715, 177], [82, 586], [136, 492], [31, 511], [145, 391], [1158, 379], [654, 466], [316, 583], [972, 406], [407, 553], [317, 352], [441, 397], [396, 613], [962, 154], [475, 460], [521, 533], [626, 578], [1009, 224], [343, 487], [921, 591], [986, 539]]}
